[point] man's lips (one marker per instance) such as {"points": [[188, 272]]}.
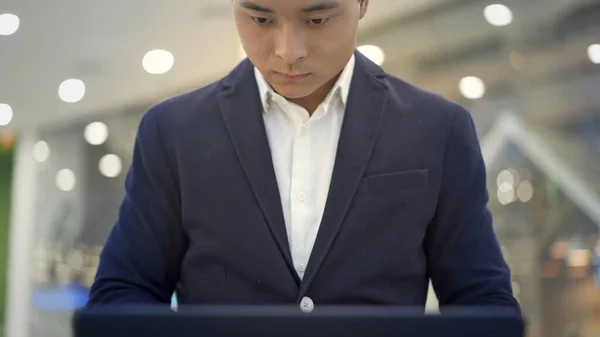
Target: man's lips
{"points": [[292, 77]]}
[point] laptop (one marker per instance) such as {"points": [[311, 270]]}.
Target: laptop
{"points": [[276, 321]]}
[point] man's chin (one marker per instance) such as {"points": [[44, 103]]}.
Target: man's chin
{"points": [[293, 91]]}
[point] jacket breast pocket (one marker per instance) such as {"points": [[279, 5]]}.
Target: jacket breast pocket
{"points": [[400, 182]]}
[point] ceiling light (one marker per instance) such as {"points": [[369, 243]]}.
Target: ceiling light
{"points": [[506, 177], [579, 258], [498, 15], [41, 151], [506, 196], [373, 53], [559, 250], [525, 191], [71, 90], [110, 165], [96, 133], [9, 24], [6, 114], [158, 61], [594, 53], [65, 180], [472, 87]]}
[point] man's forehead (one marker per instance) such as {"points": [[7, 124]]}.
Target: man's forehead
{"points": [[290, 5]]}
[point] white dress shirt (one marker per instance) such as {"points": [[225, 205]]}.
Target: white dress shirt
{"points": [[303, 148]]}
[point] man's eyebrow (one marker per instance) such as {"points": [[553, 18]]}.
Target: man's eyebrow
{"points": [[321, 6], [255, 7]]}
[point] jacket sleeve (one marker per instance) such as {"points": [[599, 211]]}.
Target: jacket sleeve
{"points": [[140, 262], [465, 262]]}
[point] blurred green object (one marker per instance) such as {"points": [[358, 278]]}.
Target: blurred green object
{"points": [[6, 165]]}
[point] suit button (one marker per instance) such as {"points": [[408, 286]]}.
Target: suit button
{"points": [[307, 304]]}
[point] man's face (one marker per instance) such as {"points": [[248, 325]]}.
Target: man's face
{"points": [[298, 45]]}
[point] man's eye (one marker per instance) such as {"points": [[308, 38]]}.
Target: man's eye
{"points": [[260, 21], [319, 22]]}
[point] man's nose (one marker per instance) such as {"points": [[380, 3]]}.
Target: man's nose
{"points": [[290, 44]]}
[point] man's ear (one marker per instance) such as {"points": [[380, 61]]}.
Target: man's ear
{"points": [[363, 7]]}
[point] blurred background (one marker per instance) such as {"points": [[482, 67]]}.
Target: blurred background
{"points": [[76, 76]]}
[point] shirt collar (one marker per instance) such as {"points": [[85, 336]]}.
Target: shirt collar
{"points": [[340, 89]]}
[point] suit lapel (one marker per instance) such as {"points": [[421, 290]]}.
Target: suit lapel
{"points": [[242, 112], [364, 111]]}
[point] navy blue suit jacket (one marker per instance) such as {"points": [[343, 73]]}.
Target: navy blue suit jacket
{"points": [[407, 203]]}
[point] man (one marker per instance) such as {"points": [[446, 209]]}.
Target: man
{"points": [[307, 175]]}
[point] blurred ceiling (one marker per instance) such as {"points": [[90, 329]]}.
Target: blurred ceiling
{"points": [[537, 66], [103, 43]]}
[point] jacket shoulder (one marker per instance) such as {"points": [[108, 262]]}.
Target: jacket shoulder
{"points": [[415, 96], [428, 107], [180, 108]]}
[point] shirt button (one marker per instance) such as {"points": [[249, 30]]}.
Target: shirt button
{"points": [[301, 196], [302, 267], [307, 304]]}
